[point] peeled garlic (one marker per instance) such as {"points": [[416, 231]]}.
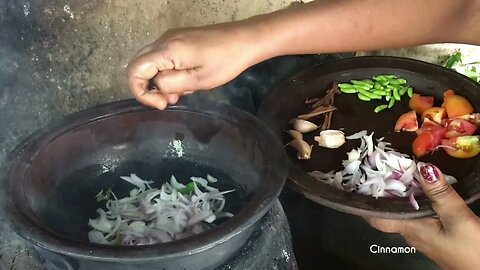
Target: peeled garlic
{"points": [[303, 126], [304, 150], [295, 134], [330, 138]]}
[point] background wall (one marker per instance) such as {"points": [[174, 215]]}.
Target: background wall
{"points": [[61, 56]]}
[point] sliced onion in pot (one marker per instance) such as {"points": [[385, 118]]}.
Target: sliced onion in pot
{"points": [[151, 216]]}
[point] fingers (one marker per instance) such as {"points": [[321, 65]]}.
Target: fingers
{"points": [[386, 225], [140, 71], [446, 202], [178, 81], [420, 233]]}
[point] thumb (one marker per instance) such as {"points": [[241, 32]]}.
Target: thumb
{"points": [[446, 202], [178, 81]]}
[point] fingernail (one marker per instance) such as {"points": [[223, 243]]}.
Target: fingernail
{"points": [[429, 173]]}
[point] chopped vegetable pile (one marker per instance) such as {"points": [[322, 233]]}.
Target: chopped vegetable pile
{"points": [[451, 126], [388, 87], [151, 216], [376, 170]]}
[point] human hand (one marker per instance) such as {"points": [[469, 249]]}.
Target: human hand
{"points": [[185, 60], [452, 239]]}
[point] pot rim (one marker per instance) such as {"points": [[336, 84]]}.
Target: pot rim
{"points": [[24, 223]]}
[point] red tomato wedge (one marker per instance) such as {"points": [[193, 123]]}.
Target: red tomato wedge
{"points": [[420, 103], [459, 127], [436, 114], [423, 144], [462, 147], [429, 123], [407, 122], [456, 105], [449, 92], [473, 118], [437, 131]]}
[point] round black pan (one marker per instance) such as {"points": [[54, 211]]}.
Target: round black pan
{"points": [[287, 102]]}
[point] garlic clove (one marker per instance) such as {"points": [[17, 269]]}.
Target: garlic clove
{"points": [[330, 138], [303, 126], [295, 134], [303, 149]]}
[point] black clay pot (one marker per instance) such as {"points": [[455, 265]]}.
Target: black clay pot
{"points": [[52, 177], [287, 101]]}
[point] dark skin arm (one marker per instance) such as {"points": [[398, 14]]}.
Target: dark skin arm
{"points": [[186, 60]]}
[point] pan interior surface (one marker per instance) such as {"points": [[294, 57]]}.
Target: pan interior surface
{"points": [[353, 115]]}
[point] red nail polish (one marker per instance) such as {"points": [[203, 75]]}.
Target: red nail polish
{"points": [[429, 173]]}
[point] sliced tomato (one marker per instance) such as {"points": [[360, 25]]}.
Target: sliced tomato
{"points": [[473, 118], [407, 122], [420, 103], [429, 123], [436, 114], [423, 144], [456, 105], [449, 92], [462, 147], [437, 131], [459, 127]]}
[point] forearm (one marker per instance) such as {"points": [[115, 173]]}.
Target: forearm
{"points": [[326, 26]]}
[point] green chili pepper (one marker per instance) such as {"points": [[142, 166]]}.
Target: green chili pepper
{"points": [[361, 87], [403, 90], [384, 83], [396, 95], [187, 189], [410, 91], [388, 96], [380, 78], [397, 81], [361, 83], [369, 81], [104, 196], [348, 90], [369, 94], [345, 85], [363, 97], [380, 108], [391, 103], [377, 86], [380, 92]]}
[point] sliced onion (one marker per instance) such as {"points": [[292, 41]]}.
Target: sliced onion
{"points": [[175, 184], [101, 223], [97, 237], [377, 171], [150, 216], [211, 179], [357, 135], [202, 181], [413, 202]]}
